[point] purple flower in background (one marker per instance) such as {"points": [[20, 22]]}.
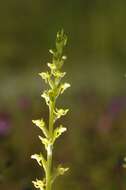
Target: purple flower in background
{"points": [[104, 124], [114, 108], [24, 103], [5, 124]]}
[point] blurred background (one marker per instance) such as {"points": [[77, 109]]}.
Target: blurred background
{"points": [[95, 145]]}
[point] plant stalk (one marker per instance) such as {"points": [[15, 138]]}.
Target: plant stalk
{"points": [[49, 152]]}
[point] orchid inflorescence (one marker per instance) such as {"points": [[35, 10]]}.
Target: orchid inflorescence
{"points": [[55, 88]]}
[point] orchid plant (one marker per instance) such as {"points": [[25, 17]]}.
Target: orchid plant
{"points": [[53, 79]]}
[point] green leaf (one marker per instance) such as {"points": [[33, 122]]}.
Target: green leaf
{"points": [[41, 160], [58, 132], [39, 184], [41, 124]]}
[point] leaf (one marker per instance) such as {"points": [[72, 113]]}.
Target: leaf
{"points": [[41, 124], [40, 159], [39, 184], [59, 171], [58, 132]]}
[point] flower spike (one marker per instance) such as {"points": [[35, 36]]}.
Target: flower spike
{"points": [[53, 78]]}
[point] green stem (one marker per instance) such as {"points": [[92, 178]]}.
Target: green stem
{"points": [[49, 152], [48, 174], [51, 118]]}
